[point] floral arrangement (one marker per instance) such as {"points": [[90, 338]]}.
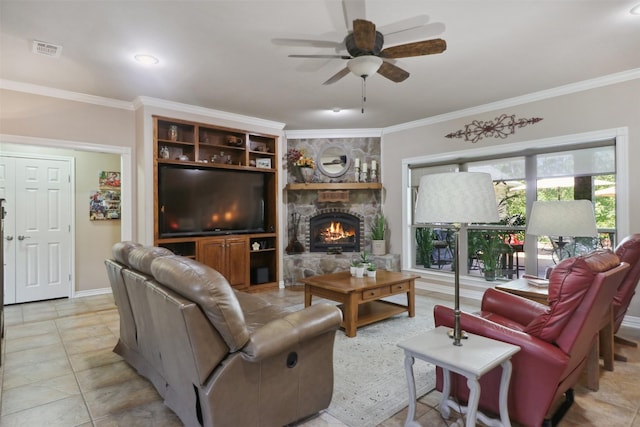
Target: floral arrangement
{"points": [[297, 158]]}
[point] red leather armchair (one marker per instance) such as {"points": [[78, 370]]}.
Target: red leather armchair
{"points": [[628, 250], [555, 340]]}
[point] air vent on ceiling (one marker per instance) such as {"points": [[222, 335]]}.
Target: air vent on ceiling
{"points": [[46, 49]]}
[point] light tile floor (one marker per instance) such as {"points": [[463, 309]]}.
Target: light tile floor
{"points": [[58, 370]]}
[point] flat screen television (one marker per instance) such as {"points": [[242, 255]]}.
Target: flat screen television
{"points": [[208, 201]]}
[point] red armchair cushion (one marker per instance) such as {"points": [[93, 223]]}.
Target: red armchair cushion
{"points": [[568, 283], [628, 250]]}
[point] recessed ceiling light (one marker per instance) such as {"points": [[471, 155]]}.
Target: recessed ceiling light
{"points": [[145, 59], [635, 10], [336, 110]]}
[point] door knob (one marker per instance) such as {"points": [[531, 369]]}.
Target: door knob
{"points": [[23, 237], [9, 238]]}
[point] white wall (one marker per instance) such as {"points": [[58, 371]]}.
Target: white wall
{"points": [[607, 107], [36, 117]]}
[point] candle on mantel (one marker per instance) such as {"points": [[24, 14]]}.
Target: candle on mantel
{"points": [[365, 167], [374, 165], [357, 163]]}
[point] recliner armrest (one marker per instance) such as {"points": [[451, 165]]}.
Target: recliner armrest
{"points": [[535, 351], [513, 307], [281, 334]]}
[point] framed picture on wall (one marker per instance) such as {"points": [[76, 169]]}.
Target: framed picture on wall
{"points": [[104, 203], [263, 163]]}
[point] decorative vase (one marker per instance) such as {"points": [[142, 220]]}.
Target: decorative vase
{"points": [[371, 273], [173, 132], [359, 272], [307, 174], [378, 247]]}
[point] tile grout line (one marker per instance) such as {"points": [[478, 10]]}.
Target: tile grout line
{"points": [[75, 376]]}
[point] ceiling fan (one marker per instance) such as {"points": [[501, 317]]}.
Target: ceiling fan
{"points": [[367, 56]]}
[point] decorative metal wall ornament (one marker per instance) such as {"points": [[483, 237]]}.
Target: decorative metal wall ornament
{"points": [[501, 127]]}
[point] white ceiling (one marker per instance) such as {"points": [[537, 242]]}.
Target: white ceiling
{"points": [[233, 55]]}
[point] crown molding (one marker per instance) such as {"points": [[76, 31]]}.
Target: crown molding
{"points": [[334, 133], [146, 101], [65, 94], [143, 101], [519, 100]]}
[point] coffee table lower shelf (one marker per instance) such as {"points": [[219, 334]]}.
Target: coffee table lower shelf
{"points": [[362, 298], [374, 311]]}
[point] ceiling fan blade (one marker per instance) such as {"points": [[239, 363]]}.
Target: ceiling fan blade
{"points": [[364, 34], [337, 76], [307, 43], [425, 47], [353, 9], [404, 25], [321, 56], [393, 72], [424, 32]]}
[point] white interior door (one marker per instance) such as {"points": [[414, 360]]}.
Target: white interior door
{"points": [[7, 191], [39, 222]]}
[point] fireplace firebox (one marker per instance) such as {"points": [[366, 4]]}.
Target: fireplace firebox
{"points": [[334, 231]]}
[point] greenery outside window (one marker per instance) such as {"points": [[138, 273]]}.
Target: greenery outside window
{"points": [[587, 172]]}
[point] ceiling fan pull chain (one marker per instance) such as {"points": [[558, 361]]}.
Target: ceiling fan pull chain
{"points": [[364, 91]]}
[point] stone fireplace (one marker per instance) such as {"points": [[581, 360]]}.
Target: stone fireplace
{"points": [[333, 215], [334, 231]]}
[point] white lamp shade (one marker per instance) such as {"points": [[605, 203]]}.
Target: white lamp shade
{"points": [[457, 197], [364, 66], [574, 218]]}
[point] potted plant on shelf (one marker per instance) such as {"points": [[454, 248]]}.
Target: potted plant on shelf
{"points": [[378, 230], [354, 265], [365, 259], [360, 270], [371, 270]]}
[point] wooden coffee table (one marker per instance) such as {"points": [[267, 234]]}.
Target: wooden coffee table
{"points": [[361, 297]]}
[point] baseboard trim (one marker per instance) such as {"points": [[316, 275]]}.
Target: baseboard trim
{"points": [[448, 289], [631, 322], [92, 292]]}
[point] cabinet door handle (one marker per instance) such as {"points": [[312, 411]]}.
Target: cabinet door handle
{"points": [[9, 238], [23, 237]]}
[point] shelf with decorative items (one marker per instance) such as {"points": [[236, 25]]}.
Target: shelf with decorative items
{"points": [[183, 141], [313, 186], [175, 140], [261, 151], [262, 257], [243, 248]]}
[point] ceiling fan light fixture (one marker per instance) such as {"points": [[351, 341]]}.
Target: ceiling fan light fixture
{"points": [[145, 59], [364, 66]]}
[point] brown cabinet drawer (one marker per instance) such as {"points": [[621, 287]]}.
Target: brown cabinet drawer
{"points": [[399, 287], [374, 293]]}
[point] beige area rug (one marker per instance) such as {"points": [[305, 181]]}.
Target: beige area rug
{"points": [[370, 384]]}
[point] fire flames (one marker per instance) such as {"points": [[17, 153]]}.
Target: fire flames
{"points": [[335, 232]]}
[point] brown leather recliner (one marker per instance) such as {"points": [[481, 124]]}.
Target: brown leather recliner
{"points": [[628, 250], [225, 358], [555, 340]]}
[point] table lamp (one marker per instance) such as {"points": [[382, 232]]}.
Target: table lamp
{"points": [[560, 218], [456, 198]]}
